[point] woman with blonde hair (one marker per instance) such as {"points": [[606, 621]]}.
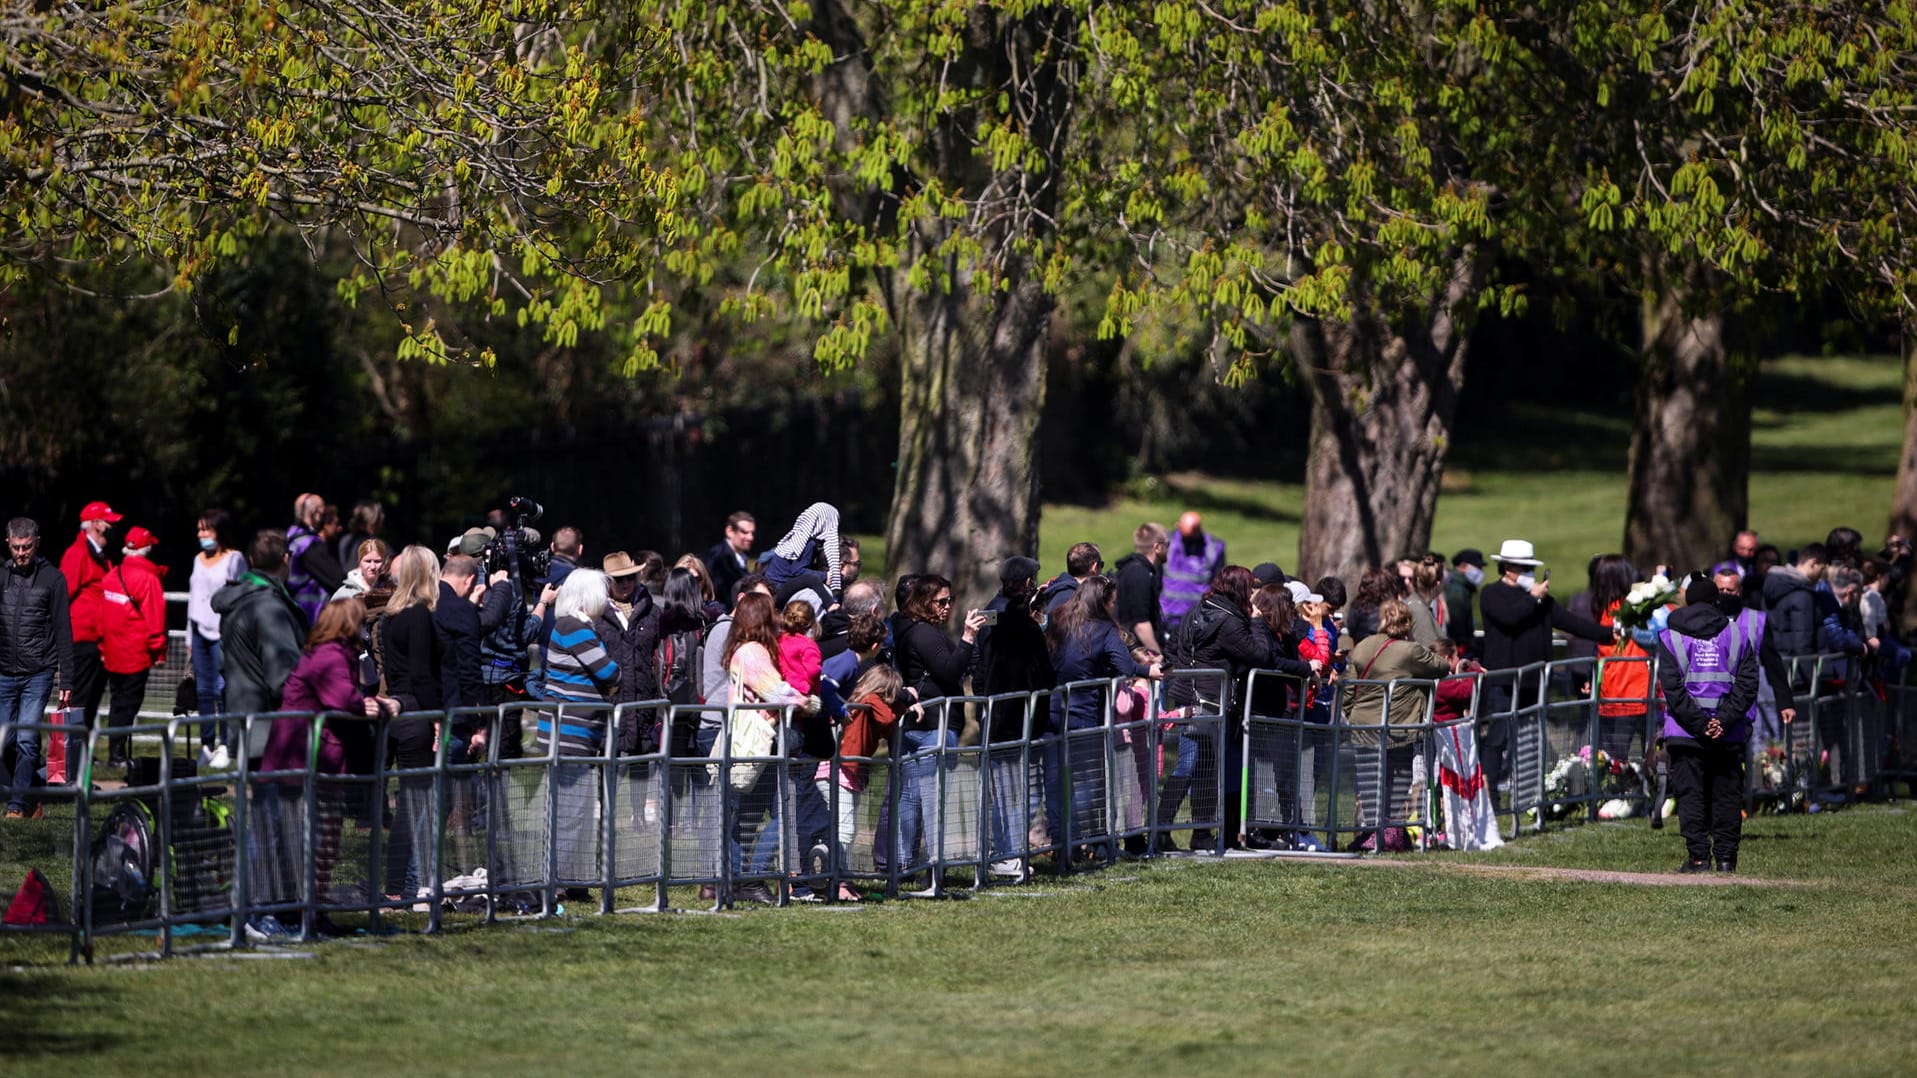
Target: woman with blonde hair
{"points": [[408, 647]]}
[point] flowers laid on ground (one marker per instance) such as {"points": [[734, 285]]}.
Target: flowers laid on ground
{"points": [[1779, 786], [1578, 775]]}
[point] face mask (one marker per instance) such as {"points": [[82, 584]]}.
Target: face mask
{"points": [[208, 545], [1527, 581], [1474, 574]]}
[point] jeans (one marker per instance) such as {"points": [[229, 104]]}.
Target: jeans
{"points": [[919, 808], [810, 813], [23, 698], [745, 807], [209, 686], [1085, 750], [1011, 815]]}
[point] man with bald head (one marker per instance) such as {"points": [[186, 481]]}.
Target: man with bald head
{"points": [[1193, 559]]}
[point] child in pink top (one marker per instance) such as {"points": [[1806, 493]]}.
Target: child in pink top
{"points": [[799, 658]]}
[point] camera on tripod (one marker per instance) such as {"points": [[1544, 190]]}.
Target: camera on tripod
{"points": [[514, 549]]}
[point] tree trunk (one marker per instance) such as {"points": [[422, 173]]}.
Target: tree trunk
{"points": [[973, 339], [973, 385], [1382, 400], [1691, 449], [1903, 510]]}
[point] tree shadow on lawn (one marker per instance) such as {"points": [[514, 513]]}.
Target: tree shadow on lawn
{"points": [[43, 1012], [1799, 393], [1191, 492]]}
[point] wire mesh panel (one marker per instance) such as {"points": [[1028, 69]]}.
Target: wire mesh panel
{"points": [[49, 842], [1514, 705], [1191, 758], [1900, 732], [1388, 760], [961, 816], [1007, 790], [1133, 768], [1285, 754], [690, 794], [1078, 808], [1571, 749], [636, 819]]}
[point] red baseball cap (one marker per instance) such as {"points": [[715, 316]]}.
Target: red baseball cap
{"points": [[99, 511], [139, 538]]}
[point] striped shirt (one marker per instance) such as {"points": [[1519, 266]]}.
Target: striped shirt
{"points": [[820, 523], [578, 671]]}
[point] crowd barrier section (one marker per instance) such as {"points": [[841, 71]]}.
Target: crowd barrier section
{"points": [[1194, 749], [417, 818]]}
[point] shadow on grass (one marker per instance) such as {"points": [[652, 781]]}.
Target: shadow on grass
{"points": [[1192, 495], [45, 1012], [1546, 438], [1801, 393], [1844, 460]]}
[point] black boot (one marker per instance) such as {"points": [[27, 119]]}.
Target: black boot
{"points": [[1727, 864], [1691, 866]]}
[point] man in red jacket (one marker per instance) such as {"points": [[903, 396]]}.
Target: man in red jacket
{"points": [[133, 634], [85, 565]]}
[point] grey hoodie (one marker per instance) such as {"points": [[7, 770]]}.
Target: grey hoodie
{"points": [[261, 635]]}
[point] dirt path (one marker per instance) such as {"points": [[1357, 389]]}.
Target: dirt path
{"points": [[1591, 875]]}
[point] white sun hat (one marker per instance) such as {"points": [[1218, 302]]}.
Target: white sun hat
{"points": [[1518, 552]]}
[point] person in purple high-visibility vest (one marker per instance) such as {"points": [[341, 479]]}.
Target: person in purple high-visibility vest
{"points": [[1708, 673], [1192, 560]]}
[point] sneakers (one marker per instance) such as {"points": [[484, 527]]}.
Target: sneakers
{"points": [[16, 814], [849, 893], [266, 928], [801, 893], [1203, 842], [215, 758], [1010, 869], [1690, 867]]}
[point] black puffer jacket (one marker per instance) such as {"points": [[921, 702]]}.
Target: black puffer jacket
{"points": [[35, 630], [1216, 635], [631, 646]]}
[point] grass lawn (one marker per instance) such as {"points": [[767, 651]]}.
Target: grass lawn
{"points": [[1180, 966], [1827, 433]]}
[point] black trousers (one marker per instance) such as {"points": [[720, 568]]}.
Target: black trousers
{"points": [[1709, 786], [89, 679], [1502, 695], [129, 692]]}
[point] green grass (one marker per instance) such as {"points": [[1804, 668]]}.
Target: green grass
{"points": [[1234, 968], [1827, 433]]}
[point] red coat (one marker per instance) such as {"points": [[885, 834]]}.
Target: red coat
{"points": [[86, 576], [132, 621]]}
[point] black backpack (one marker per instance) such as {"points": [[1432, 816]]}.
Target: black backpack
{"points": [[678, 658]]}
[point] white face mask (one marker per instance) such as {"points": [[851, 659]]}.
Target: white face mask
{"points": [[1527, 580], [1474, 574]]}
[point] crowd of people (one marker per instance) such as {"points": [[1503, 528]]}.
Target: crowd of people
{"points": [[325, 615]]}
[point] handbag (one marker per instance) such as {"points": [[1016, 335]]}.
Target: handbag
{"points": [[752, 735]]}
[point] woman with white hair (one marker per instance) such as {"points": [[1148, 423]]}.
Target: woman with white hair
{"points": [[580, 679]]}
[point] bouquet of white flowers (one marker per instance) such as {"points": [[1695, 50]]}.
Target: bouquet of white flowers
{"points": [[1642, 608]]}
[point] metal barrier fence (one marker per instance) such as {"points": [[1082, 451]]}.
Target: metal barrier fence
{"points": [[465, 815]]}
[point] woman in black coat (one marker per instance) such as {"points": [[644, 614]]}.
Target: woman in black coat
{"points": [[934, 665], [1220, 633]]}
